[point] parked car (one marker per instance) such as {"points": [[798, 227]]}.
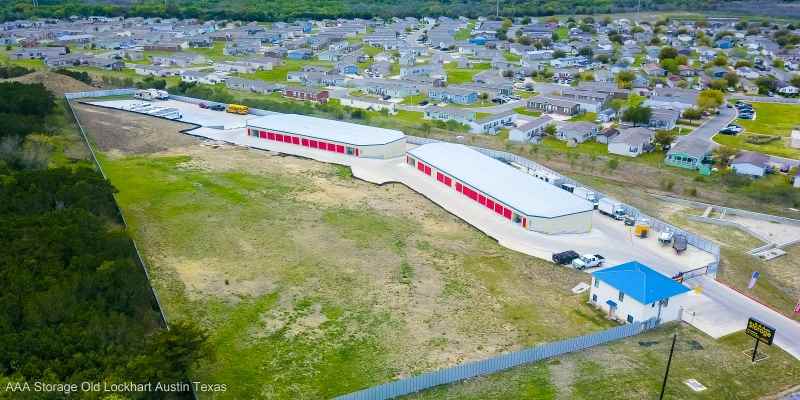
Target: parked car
{"points": [[217, 107], [665, 237], [731, 130], [588, 261], [203, 105], [565, 257], [423, 103]]}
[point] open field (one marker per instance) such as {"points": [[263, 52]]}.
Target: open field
{"points": [[633, 369], [772, 119], [457, 75], [314, 284]]}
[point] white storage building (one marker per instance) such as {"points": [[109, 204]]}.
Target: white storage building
{"points": [[329, 135], [500, 188]]}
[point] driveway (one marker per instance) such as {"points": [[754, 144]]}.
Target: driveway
{"points": [[712, 126]]}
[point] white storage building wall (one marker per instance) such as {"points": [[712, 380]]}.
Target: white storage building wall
{"points": [[555, 211], [329, 135]]}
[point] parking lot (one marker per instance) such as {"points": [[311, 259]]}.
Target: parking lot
{"points": [[191, 113]]}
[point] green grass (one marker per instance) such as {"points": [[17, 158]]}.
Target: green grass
{"points": [[464, 33], [413, 100], [633, 369], [457, 75], [773, 119], [292, 288], [279, 74], [587, 117], [511, 57], [563, 33], [776, 148], [525, 111]]}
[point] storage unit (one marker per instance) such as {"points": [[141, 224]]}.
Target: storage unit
{"points": [[502, 189], [328, 135]]}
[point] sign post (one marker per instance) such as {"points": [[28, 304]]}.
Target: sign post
{"points": [[761, 332], [797, 307], [753, 279]]}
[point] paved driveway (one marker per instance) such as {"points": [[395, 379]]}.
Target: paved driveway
{"points": [[712, 126]]}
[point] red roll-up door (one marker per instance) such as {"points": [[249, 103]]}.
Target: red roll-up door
{"points": [[340, 149], [271, 135], [458, 187], [331, 147], [427, 170], [448, 181], [357, 152], [295, 140], [279, 137], [490, 204], [287, 139], [482, 199], [262, 135], [313, 143], [507, 213], [421, 166], [524, 222], [498, 208], [304, 142]]}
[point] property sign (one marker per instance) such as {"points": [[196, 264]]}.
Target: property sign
{"points": [[761, 331], [797, 307], [753, 279]]}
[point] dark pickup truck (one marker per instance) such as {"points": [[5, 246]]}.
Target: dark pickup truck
{"points": [[565, 257]]}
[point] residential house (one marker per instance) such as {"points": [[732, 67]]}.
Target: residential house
{"points": [[553, 104], [319, 96], [662, 118], [606, 135], [633, 292], [530, 130], [691, 152], [577, 132], [252, 85], [750, 163], [453, 95], [299, 54], [368, 103], [209, 78], [632, 142]]}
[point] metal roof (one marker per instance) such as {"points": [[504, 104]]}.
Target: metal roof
{"points": [[514, 188], [640, 282], [326, 129]]}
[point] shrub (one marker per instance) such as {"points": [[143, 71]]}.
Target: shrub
{"points": [[613, 163], [760, 139]]}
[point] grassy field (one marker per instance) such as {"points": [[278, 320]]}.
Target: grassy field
{"points": [[525, 111], [457, 75], [587, 117], [313, 284], [464, 34], [773, 119], [778, 147], [633, 369], [278, 74]]}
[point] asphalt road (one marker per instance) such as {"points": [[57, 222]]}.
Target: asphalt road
{"points": [[712, 126]]}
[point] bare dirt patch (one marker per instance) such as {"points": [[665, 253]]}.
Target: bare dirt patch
{"points": [[130, 133], [56, 83]]}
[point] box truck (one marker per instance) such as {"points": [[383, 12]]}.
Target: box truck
{"points": [[586, 194], [612, 208]]}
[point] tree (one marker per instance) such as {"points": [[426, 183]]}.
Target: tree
{"points": [[559, 54], [664, 138], [624, 78], [795, 81], [692, 113], [637, 115], [551, 129], [732, 79], [723, 155], [667, 52], [670, 65], [586, 52], [710, 98], [718, 84]]}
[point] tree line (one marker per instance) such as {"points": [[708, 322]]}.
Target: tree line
{"points": [[287, 10], [74, 304]]}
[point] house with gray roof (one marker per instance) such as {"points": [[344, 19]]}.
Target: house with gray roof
{"points": [[691, 152], [578, 132], [531, 130], [751, 164], [632, 142]]}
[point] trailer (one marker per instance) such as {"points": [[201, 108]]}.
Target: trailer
{"points": [[612, 208], [548, 177], [679, 243], [151, 94], [586, 194]]}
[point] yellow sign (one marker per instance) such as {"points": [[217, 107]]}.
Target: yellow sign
{"points": [[760, 331]]}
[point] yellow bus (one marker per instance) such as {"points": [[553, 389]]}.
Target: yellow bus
{"points": [[237, 109]]}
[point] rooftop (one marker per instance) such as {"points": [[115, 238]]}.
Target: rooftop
{"points": [[337, 131], [640, 282], [501, 181]]}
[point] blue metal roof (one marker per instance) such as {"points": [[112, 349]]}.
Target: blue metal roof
{"points": [[640, 282]]}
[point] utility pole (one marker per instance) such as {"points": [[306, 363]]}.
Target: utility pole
{"points": [[498, 9], [669, 362]]}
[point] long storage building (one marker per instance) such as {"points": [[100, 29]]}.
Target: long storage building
{"points": [[502, 189], [329, 135]]}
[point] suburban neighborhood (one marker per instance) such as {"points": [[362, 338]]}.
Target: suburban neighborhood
{"points": [[443, 201]]}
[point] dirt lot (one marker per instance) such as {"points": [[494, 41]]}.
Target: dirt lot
{"points": [[131, 133], [56, 83], [313, 283]]}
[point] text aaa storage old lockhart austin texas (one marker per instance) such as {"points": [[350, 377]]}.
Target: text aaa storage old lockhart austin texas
{"points": [[123, 387]]}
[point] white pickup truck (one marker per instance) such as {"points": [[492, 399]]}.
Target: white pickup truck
{"points": [[588, 261]]}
